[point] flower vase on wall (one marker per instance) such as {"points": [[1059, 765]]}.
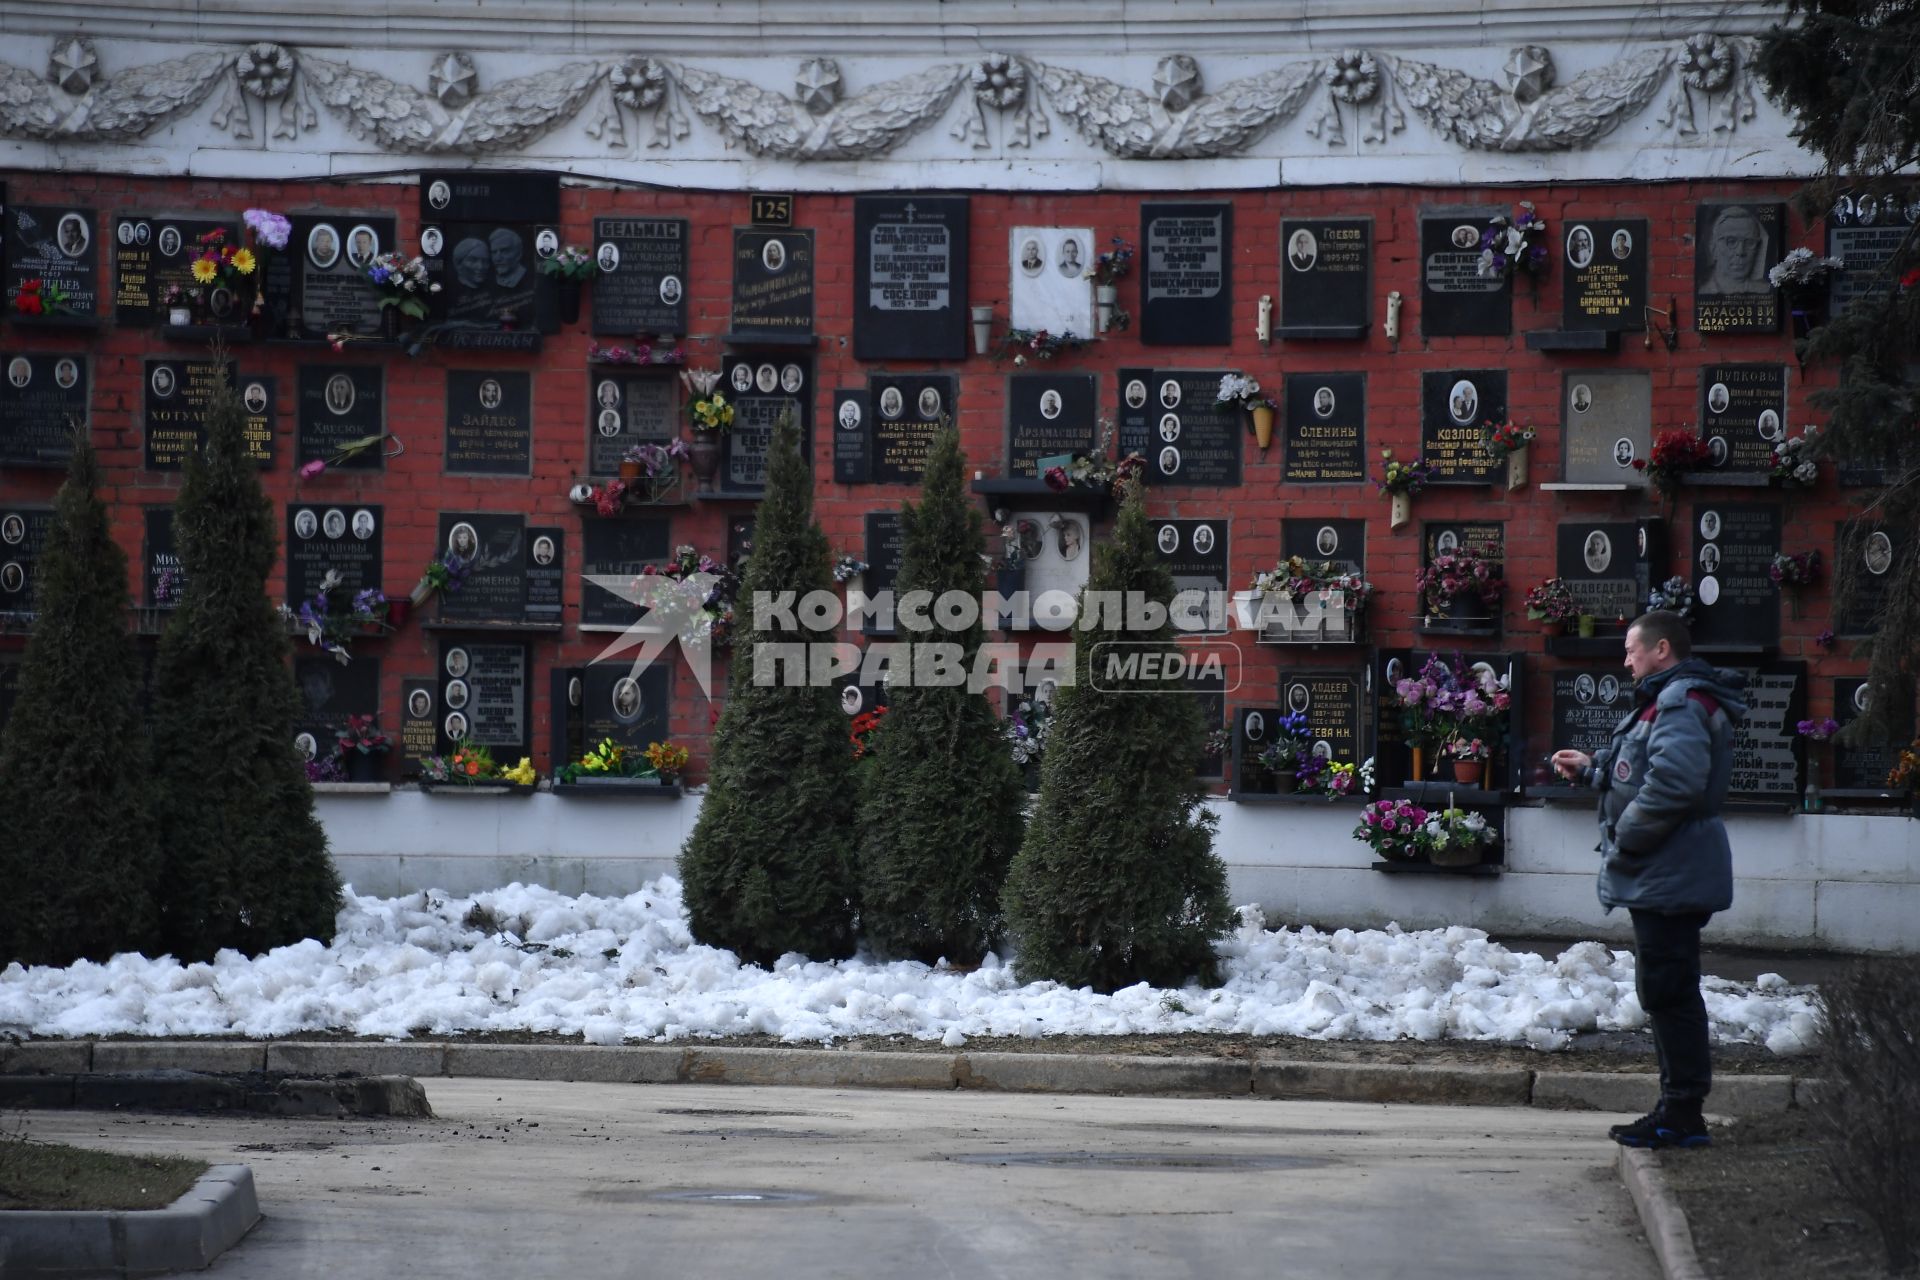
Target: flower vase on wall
{"points": [[1517, 469], [704, 455], [1468, 773], [1419, 765], [1400, 511], [1105, 298], [1263, 425]]}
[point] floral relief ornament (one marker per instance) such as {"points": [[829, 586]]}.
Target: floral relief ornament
{"points": [[265, 70], [1707, 65], [1354, 77], [1000, 82]]}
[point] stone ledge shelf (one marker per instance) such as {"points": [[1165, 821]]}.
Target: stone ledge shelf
{"points": [[353, 788]]}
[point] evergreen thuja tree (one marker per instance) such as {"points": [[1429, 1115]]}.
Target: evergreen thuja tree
{"points": [[1116, 881], [769, 866], [78, 859], [941, 815], [1846, 70], [246, 862]]}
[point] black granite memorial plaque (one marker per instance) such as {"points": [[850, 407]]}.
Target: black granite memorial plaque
{"points": [[1326, 428], [330, 692], [907, 411], [1587, 703], [260, 401], [1186, 288], [339, 404], [328, 254], [42, 394], [419, 735], [489, 423], [886, 545], [1605, 286], [1737, 602], [1743, 414], [1485, 539], [176, 398], [1610, 566], [772, 285], [852, 436], [1456, 301], [1195, 552], [632, 710], [619, 549], [54, 246], [1342, 542], [1453, 406], [490, 278], [1864, 232], [484, 687], [909, 277], [23, 532], [1326, 277], [495, 547], [1864, 767], [1049, 415], [1766, 752], [152, 253], [163, 579], [1335, 705], [625, 408], [1875, 554], [1171, 420], [642, 285], [762, 390], [1733, 247], [513, 195], [344, 537], [546, 573], [1608, 423]]}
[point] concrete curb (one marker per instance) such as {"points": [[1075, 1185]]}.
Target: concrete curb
{"points": [[172, 1089], [1631, 1092], [1661, 1216], [187, 1235]]}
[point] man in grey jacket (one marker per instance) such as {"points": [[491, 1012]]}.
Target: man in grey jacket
{"points": [[1665, 858]]}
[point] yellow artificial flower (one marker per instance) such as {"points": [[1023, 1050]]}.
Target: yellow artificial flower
{"points": [[521, 774], [204, 271], [243, 262]]}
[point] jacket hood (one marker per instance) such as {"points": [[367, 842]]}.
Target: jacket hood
{"points": [[1724, 686]]}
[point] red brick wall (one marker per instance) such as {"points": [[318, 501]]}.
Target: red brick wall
{"points": [[414, 490]]}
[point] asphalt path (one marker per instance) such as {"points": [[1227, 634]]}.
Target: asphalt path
{"points": [[536, 1179]]}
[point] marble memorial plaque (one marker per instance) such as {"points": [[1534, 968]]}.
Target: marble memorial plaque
{"points": [[1326, 428], [773, 278], [625, 408], [907, 411], [852, 435], [1610, 566], [484, 687], [1736, 601], [1878, 553], [345, 537], [1863, 768], [762, 388], [43, 392], [1325, 539], [53, 244], [1186, 290], [1048, 279], [163, 578], [642, 285], [23, 532], [632, 709], [1049, 414], [419, 735], [1454, 405], [1456, 301], [1605, 281], [1608, 423], [1734, 246], [885, 548], [330, 252], [910, 277], [153, 252], [1588, 702], [1171, 420], [1766, 752], [495, 546], [620, 549], [1864, 232], [1743, 414], [489, 423], [330, 691], [1326, 276], [339, 404]]}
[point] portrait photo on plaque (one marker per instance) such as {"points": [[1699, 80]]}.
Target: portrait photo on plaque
{"points": [[1048, 279], [1734, 247]]}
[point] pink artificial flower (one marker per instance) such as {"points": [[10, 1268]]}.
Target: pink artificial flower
{"points": [[312, 469]]}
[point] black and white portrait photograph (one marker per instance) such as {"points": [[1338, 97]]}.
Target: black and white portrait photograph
{"points": [[1323, 402], [1050, 404], [1463, 402], [75, 235], [608, 258], [546, 242], [626, 699], [1861, 692], [457, 694], [457, 663], [489, 393], [766, 379], [456, 725], [1069, 538], [1583, 689], [1717, 451], [1030, 261], [1622, 245], [670, 290], [305, 745], [1168, 539], [742, 378], [1843, 210], [608, 393], [1302, 250], [334, 523], [1769, 424], [162, 380], [1735, 254], [929, 402], [169, 243], [1609, 689], [1136, 393], [1298, 698], [543, 550], [1878, 554], [1581, 398], [463, 540], [1070, 264], [439, 194], [1447, 543], [1169, 461], [1709, 557], [305, 523], [1170, 394], [1623, 452], [1326, 541], [1466, 237], [432, 241], [851, 699], [66, 373], [340, 394], [1598, 553], [891, 403], [793, 377], [1255, 726], [1580, 246], [609, 422], [13, 530], [849, 415], [363, 524], [323, 245], [1717, 397], [255, 397], [1710, 525], [1169, 427], [1203, 539], [773, 256], [363, 245], [420, 704], [20, 372]]}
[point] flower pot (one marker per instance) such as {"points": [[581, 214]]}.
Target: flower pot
{"points": [[1105, 298], [1246, 609], [1517, 469], [704, 455], [1263, 425], [365, 766], [1468, 773], [982, 329], [390, 323], [1462, 855], [1400, 511], [397, 611], [1285, 783], [1586, 626], [567, 299], [1551, 626], [179, 315], [630, 471]]}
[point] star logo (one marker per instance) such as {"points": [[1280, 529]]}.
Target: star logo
{"points": [[451, 79], [818, 85], [673, 609], [74, 66]]}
